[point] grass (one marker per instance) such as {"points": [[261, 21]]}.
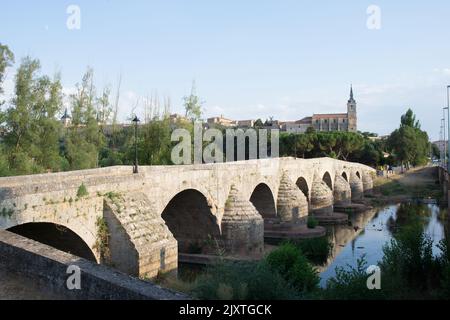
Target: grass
{"points": [[394, 188]]}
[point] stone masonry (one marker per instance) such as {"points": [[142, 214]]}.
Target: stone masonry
{"points": [[140, 240]]}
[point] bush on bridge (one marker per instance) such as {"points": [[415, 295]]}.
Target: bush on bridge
{"points": [[312, 222]]}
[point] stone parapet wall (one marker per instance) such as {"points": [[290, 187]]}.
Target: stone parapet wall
{"points": [[48, 268]]}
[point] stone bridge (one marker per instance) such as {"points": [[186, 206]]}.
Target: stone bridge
{"points": [[138, 223]]}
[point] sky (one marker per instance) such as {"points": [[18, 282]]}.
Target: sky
{"points": [[250, 59]]}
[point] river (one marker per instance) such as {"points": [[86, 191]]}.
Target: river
{"points": [[369, 232]]}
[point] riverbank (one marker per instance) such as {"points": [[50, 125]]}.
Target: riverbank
{"points": [[416, 183]]}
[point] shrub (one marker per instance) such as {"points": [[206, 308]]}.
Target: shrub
{"points": [[408, 262], [293, 266], [316, 250], [351, 284], [82, 191], [312, 222], [243, 281], [444, 261]]}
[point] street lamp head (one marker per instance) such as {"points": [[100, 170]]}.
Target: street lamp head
{"points": [[136, 119]]}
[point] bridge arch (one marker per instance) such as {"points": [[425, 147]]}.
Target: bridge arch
{"points": [[345, 176], [57, 236], [302, 184], [358, 174], [188, 216], [263, 200], [327, 179]]}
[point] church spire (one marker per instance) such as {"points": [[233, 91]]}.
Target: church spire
{"points": [[351, 94]]}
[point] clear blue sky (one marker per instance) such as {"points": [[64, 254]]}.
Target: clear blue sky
{"points": [[286, 59]]}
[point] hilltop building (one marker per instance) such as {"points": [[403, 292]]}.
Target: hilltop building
{"points": [[327, 122]]}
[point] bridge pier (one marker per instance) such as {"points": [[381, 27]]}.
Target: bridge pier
{"points": [[292, 205], [342, 191], [321, 198], [139, 243], [322, 203], [242, 227], [367, 181], [356, 186]]}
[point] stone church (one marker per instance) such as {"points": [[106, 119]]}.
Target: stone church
{"points": [[328, 122]]}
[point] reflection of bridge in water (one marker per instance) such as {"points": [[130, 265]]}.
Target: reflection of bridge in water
{"points": [[341, 235]]}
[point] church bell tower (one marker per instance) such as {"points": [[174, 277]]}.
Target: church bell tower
{"points": [[351, 113]]}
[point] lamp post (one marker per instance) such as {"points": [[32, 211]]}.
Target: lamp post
{"points": [[136, 121], [441, 147], [444, 145], [448, 117]]}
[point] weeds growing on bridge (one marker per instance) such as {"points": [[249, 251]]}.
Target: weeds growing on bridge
{"points": [[102, 241], [312, 222], [6, 213], [82, 191]]}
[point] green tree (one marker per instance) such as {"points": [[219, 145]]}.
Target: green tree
{"points": [[409, 144], [258, 124], [6, 60], [84, 139], [32, 131], [155, 144], [193, 105], [435, 152], [409, 120]]}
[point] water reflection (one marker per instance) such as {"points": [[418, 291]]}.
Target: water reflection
{"points": [[369, 231]]}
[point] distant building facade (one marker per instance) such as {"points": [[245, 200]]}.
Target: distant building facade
{"points": [[327, 122], [245, 123], [221, 121]]}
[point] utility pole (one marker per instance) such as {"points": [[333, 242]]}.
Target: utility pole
{"points": [[441, 146], [448, 118]]}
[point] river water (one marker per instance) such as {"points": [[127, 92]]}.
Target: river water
{"points": [[370, 231]]}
